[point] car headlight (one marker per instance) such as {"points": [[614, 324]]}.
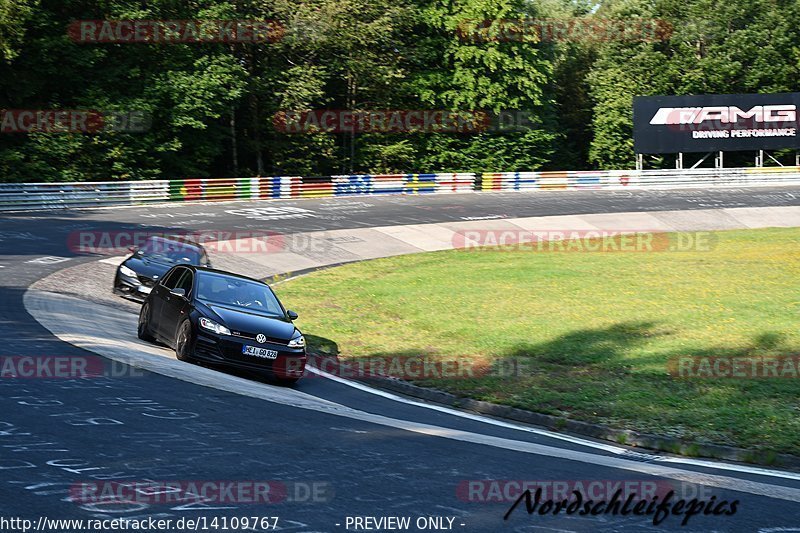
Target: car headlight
{"points": [[210, 325], [297, 342], [125, 271]]}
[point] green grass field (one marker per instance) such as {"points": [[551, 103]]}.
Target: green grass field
{"points": [[595, 330]]}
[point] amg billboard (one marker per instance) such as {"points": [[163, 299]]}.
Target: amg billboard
{"points": [[707, 123]]}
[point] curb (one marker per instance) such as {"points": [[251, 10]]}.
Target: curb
{"points": [[559, 424]]}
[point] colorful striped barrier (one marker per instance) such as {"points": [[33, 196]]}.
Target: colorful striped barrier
{"points": [[455, 182], [419, 184], [516, 181], [28, 196], [388, 184], [650, 179], [352, 185], [586, 180]]}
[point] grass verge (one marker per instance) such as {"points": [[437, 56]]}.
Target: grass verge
{"points": [[593, 334]]}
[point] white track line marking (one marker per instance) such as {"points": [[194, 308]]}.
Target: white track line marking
{"points": [[48, 260], [559, 436], [469, 416], [50, 309]]}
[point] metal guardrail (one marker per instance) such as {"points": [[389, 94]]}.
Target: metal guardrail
{"points": [[32, 196], [28, 196], [650, 179]]}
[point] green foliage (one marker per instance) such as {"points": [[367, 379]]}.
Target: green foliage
{"points": [[738, 46], [213, 104], [14, 14]]}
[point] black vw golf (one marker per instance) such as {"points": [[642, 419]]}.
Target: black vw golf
{"points": [[222, 318]]}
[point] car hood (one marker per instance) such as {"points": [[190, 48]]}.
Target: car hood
{"points": [[147, 267], [247, 322]]}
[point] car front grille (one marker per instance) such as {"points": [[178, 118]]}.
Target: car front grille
{"points": [[252, 337]]}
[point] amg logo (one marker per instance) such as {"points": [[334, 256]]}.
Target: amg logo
{"points": [[724, 114]]}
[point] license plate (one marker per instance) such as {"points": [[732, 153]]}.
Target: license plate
{"points": [[259, 352], [142, 288]]}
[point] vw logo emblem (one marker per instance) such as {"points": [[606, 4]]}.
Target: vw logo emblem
{"points": [[261, 338]]}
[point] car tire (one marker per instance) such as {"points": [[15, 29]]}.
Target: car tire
{"points": [[143, 329], [183, 342]]}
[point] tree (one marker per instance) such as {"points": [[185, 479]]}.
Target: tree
{"points": [[738, 46], [14, 16], [469, 62]]}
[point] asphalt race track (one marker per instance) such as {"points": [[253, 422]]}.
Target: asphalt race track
{"points": [[347, 452]]}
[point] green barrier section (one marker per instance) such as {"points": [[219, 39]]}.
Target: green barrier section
{"points": [[175, 187], [182, 190], [244, 188]]}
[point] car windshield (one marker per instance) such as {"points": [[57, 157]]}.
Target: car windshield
{"points": [[236, 292], [169, 251]]}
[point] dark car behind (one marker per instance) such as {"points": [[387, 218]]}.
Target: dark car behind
{"points": [[138, 273]]}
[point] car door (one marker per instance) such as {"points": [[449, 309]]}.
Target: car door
{"points": [[173, 308], [159, 297]]}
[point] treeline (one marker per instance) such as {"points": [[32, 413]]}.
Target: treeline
{"points": [[562, 72]]}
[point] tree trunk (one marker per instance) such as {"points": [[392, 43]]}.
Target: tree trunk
{"points": [[234, 148]]}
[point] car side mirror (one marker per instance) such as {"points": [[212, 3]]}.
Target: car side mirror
{"points": [[291, 314], [178, 292]]}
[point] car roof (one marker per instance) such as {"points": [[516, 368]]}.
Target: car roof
{"points": [[196, 268]]}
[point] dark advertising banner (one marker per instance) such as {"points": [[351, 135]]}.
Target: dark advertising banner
{"points": [[707, 123]]}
